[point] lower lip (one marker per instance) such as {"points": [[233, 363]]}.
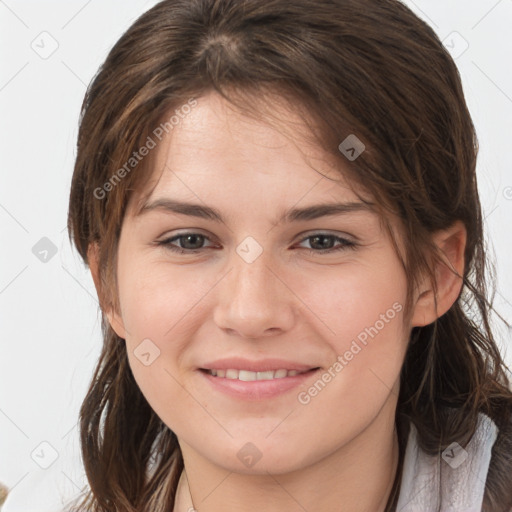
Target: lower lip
{"points": [[256, 389]]}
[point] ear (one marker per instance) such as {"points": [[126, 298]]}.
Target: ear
{"points": [[114, 318], [451, 244]]}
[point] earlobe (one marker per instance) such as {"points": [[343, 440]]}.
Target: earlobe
{"points": [[107, 308], [448, 274]]}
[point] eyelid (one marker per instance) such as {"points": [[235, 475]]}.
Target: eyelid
{"points": [[327, 232], [182, 232]]}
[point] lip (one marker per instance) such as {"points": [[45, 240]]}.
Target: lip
{"points": [[264, 365], [256, 390]]}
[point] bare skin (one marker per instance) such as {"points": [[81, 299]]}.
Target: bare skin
{"points": [[338, 451]]}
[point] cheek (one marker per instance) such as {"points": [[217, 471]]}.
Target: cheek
{"points": [[355, 300], [159, 304], [363, 310], [156, 302], [154, 297]]}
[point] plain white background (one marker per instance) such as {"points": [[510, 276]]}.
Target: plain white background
{"points": [[50, 328]]}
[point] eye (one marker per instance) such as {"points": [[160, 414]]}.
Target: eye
{"points": [[322, 243], [190, 243]]}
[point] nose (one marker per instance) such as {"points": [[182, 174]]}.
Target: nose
{"points": [[254, 300]]}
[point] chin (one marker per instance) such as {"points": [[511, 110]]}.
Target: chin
{"points": [[261, 457]]}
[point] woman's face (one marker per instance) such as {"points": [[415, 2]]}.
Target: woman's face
{"points": [[262, 289]]}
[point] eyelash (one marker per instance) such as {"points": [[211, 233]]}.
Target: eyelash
{"points": [[345, 244]]}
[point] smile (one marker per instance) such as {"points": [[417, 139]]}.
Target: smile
{"points": [[255, 386], [247, 376]]}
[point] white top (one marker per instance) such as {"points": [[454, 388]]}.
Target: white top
{"points": [[451, 482]]}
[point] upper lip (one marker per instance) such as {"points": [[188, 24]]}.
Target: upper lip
{"points": [[263, 365]]}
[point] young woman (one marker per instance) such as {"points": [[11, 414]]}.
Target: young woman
{"points": [[278, 204]]}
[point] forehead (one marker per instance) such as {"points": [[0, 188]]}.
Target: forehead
{"points": [[216, 150]]}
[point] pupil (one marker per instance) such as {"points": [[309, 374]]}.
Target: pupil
{"points": [[188, 237], [325, 238]]}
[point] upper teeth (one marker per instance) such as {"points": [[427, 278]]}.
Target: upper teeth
{"points": [[246, 375]]}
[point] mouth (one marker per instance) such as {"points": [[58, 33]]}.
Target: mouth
{"points": [[249, 376], [255, 386]]}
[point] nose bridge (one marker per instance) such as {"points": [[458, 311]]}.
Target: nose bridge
{"points": [[253, 301], [252, 278], [253, 282], [251, 274]]}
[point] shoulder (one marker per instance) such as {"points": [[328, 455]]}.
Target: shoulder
{"points": [[498, 486]]}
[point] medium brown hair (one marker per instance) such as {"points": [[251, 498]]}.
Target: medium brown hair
{"points": [[365, 67]]}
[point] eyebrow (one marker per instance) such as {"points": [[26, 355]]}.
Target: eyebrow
{"points": [[291, 215]]}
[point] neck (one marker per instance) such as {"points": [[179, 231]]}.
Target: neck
{"points": [[357, 477]]}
